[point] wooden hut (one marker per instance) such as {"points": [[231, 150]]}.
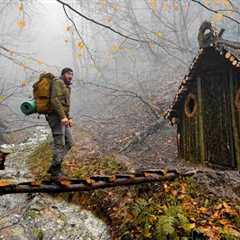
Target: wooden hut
{"points": [[206, 108]]}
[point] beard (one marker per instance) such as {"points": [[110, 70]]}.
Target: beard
{"points": [[68, 82]]}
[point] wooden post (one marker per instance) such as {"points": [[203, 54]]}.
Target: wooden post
{"points": [[234, 124], [200, 121]]}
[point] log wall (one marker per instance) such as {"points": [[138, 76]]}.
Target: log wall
{"points": [[212, 135]]}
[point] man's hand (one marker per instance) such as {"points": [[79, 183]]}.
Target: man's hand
{"points": [[70, 122], [65, 121]]}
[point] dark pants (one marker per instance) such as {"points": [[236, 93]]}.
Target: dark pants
{"points": [[62, 142]]}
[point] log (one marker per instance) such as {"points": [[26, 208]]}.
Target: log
{"points": [[232, 58], [80, 185], [227, 55], [234, 62]]}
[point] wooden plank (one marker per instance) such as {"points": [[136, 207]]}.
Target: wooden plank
{"points": [[200, 122], [235, 126], [217, 123]]}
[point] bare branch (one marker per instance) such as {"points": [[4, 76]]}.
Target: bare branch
{"points": [[215, 11], [100, 24]]}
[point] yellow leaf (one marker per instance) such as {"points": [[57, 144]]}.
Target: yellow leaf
{"points": [[153, 5], [89, 180], [176, 6], [108, 19], [23, 83], [203, 210], [206, 2], [65, 183], [232, 231], [36, 182], [80, 45], [67, 28], [6, 182], [165, 6], [211, 232], [39, 61], [226, 3], [115, 7], [152, 219], [104, 3], [147, 233], [159, 34], [221, 2], [224, 222], [78, 55], [20, 7], [218, 17], [1, 98], [191, 226], [116, 48], [21, 23]]}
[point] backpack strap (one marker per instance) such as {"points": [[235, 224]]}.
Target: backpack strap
{"points": [[51, 88]]}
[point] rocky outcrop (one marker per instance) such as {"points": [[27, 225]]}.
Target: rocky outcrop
{"points": [[41, 216]]}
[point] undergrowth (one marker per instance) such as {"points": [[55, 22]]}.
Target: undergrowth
{"points": [[158, 211]]}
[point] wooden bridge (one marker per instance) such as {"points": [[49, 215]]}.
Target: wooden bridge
{"points": [[7, 186]]}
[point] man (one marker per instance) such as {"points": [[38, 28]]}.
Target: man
{"points": [[59, 121]]}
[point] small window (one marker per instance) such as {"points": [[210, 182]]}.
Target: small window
{"points": [[190, 106], [237, 100]]}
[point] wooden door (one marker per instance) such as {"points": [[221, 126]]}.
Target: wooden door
{"points": [[217, 119]]}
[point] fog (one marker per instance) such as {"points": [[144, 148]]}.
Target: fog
{"points": [[133, 59]]}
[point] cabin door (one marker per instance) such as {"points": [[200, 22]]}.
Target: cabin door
{"points": [[217, 122]]}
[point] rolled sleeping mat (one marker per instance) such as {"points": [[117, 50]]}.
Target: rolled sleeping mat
{"points": [[29, 107]]}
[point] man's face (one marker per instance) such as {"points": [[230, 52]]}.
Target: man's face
{"points": [[68, 76]]}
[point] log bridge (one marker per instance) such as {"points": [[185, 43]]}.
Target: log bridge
{"points": [[7, 186]]}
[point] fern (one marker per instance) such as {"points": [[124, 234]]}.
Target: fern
{"points": [[165, 227], [173, 220]]}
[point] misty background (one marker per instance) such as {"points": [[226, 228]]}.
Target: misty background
{"points": [[122, 82]]}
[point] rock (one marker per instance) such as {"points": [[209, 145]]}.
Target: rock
{"points": [[28, 217]]}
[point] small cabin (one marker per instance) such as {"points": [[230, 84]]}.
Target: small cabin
{"points": [[206, 108]]}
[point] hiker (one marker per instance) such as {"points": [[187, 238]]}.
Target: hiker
{"points": [[60, 121]]}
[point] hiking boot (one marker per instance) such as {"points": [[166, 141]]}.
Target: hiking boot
{"points": [[54, 169], [58, 177], [2, 167]]}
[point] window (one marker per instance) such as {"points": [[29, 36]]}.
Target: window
{"points": [[190, 106]]}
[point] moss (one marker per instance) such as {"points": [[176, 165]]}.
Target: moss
{"points": [[40, 159], [100, 165], [32, 214], [38, 234]]}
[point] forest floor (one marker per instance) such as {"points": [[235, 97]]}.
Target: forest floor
{"points": [[41, 216], [205, 206]]}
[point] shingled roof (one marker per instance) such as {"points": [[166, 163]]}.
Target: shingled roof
{"points": [[208, 37]]}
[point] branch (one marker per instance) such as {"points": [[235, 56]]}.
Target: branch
{"points": [[99, 23], [140, 137], [215, 11], [129, 93], [79, 35]]}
